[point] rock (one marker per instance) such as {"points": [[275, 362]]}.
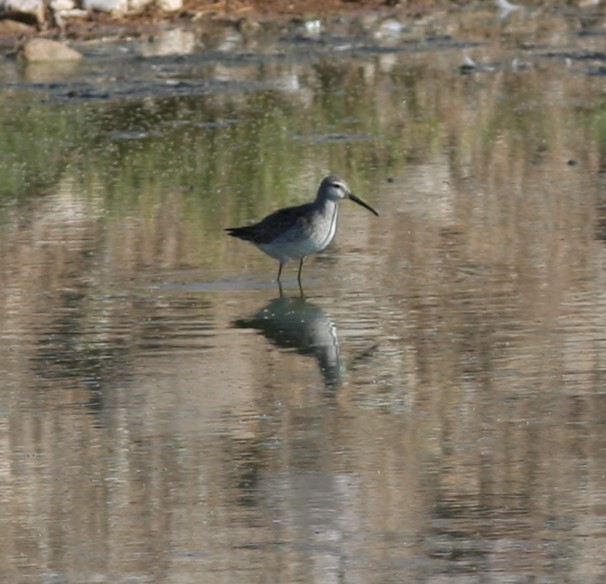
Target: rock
{"points": [[137, 6], [389, 29], [15, 28], [74, 13], [48, 50], [32, 9], [121, 7], [61, 5], [115, 7], [169, 5]]}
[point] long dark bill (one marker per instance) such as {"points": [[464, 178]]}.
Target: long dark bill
{"points": [[363, 203]]}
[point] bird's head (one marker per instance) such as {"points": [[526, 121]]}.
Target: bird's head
{"points": [[335, 189]]}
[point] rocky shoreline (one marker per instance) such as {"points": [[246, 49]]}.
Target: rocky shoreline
{"points": [[48, 30], [63, 20]]}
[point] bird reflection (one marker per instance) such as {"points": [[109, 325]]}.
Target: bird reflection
{"points": [[295, 323]]}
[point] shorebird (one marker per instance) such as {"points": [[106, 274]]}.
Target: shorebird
{"points": [[296, 232]]}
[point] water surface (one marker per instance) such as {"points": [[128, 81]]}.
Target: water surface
{"points": [[429, 408]]}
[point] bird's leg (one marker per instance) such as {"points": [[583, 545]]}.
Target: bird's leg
{"points": [[300, 268], [280, 272]]}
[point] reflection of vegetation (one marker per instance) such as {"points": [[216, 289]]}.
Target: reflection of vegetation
{"points": [[234, 154], [256, 142], [598, 124], [37, 142]]}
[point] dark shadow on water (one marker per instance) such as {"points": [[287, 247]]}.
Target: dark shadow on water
{"points": [[296, 324]]}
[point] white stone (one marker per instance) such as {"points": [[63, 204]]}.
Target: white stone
{"points": [[136, 6], [60, 5], [110, 6], [75, 13], [169, 5]]}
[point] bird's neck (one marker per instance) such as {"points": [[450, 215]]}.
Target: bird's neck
{"points": [[326, 206]]}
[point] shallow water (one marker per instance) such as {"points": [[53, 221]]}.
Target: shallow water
{"points": [[429, 408]]}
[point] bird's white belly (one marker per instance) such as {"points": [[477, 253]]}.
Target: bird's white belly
{"points": [[295, 244]]}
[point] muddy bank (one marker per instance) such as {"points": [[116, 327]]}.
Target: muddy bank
{"points": [[84, 20], [89, 19]]}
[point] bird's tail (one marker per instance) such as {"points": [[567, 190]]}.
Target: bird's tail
{"points": [[245, 232]]}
